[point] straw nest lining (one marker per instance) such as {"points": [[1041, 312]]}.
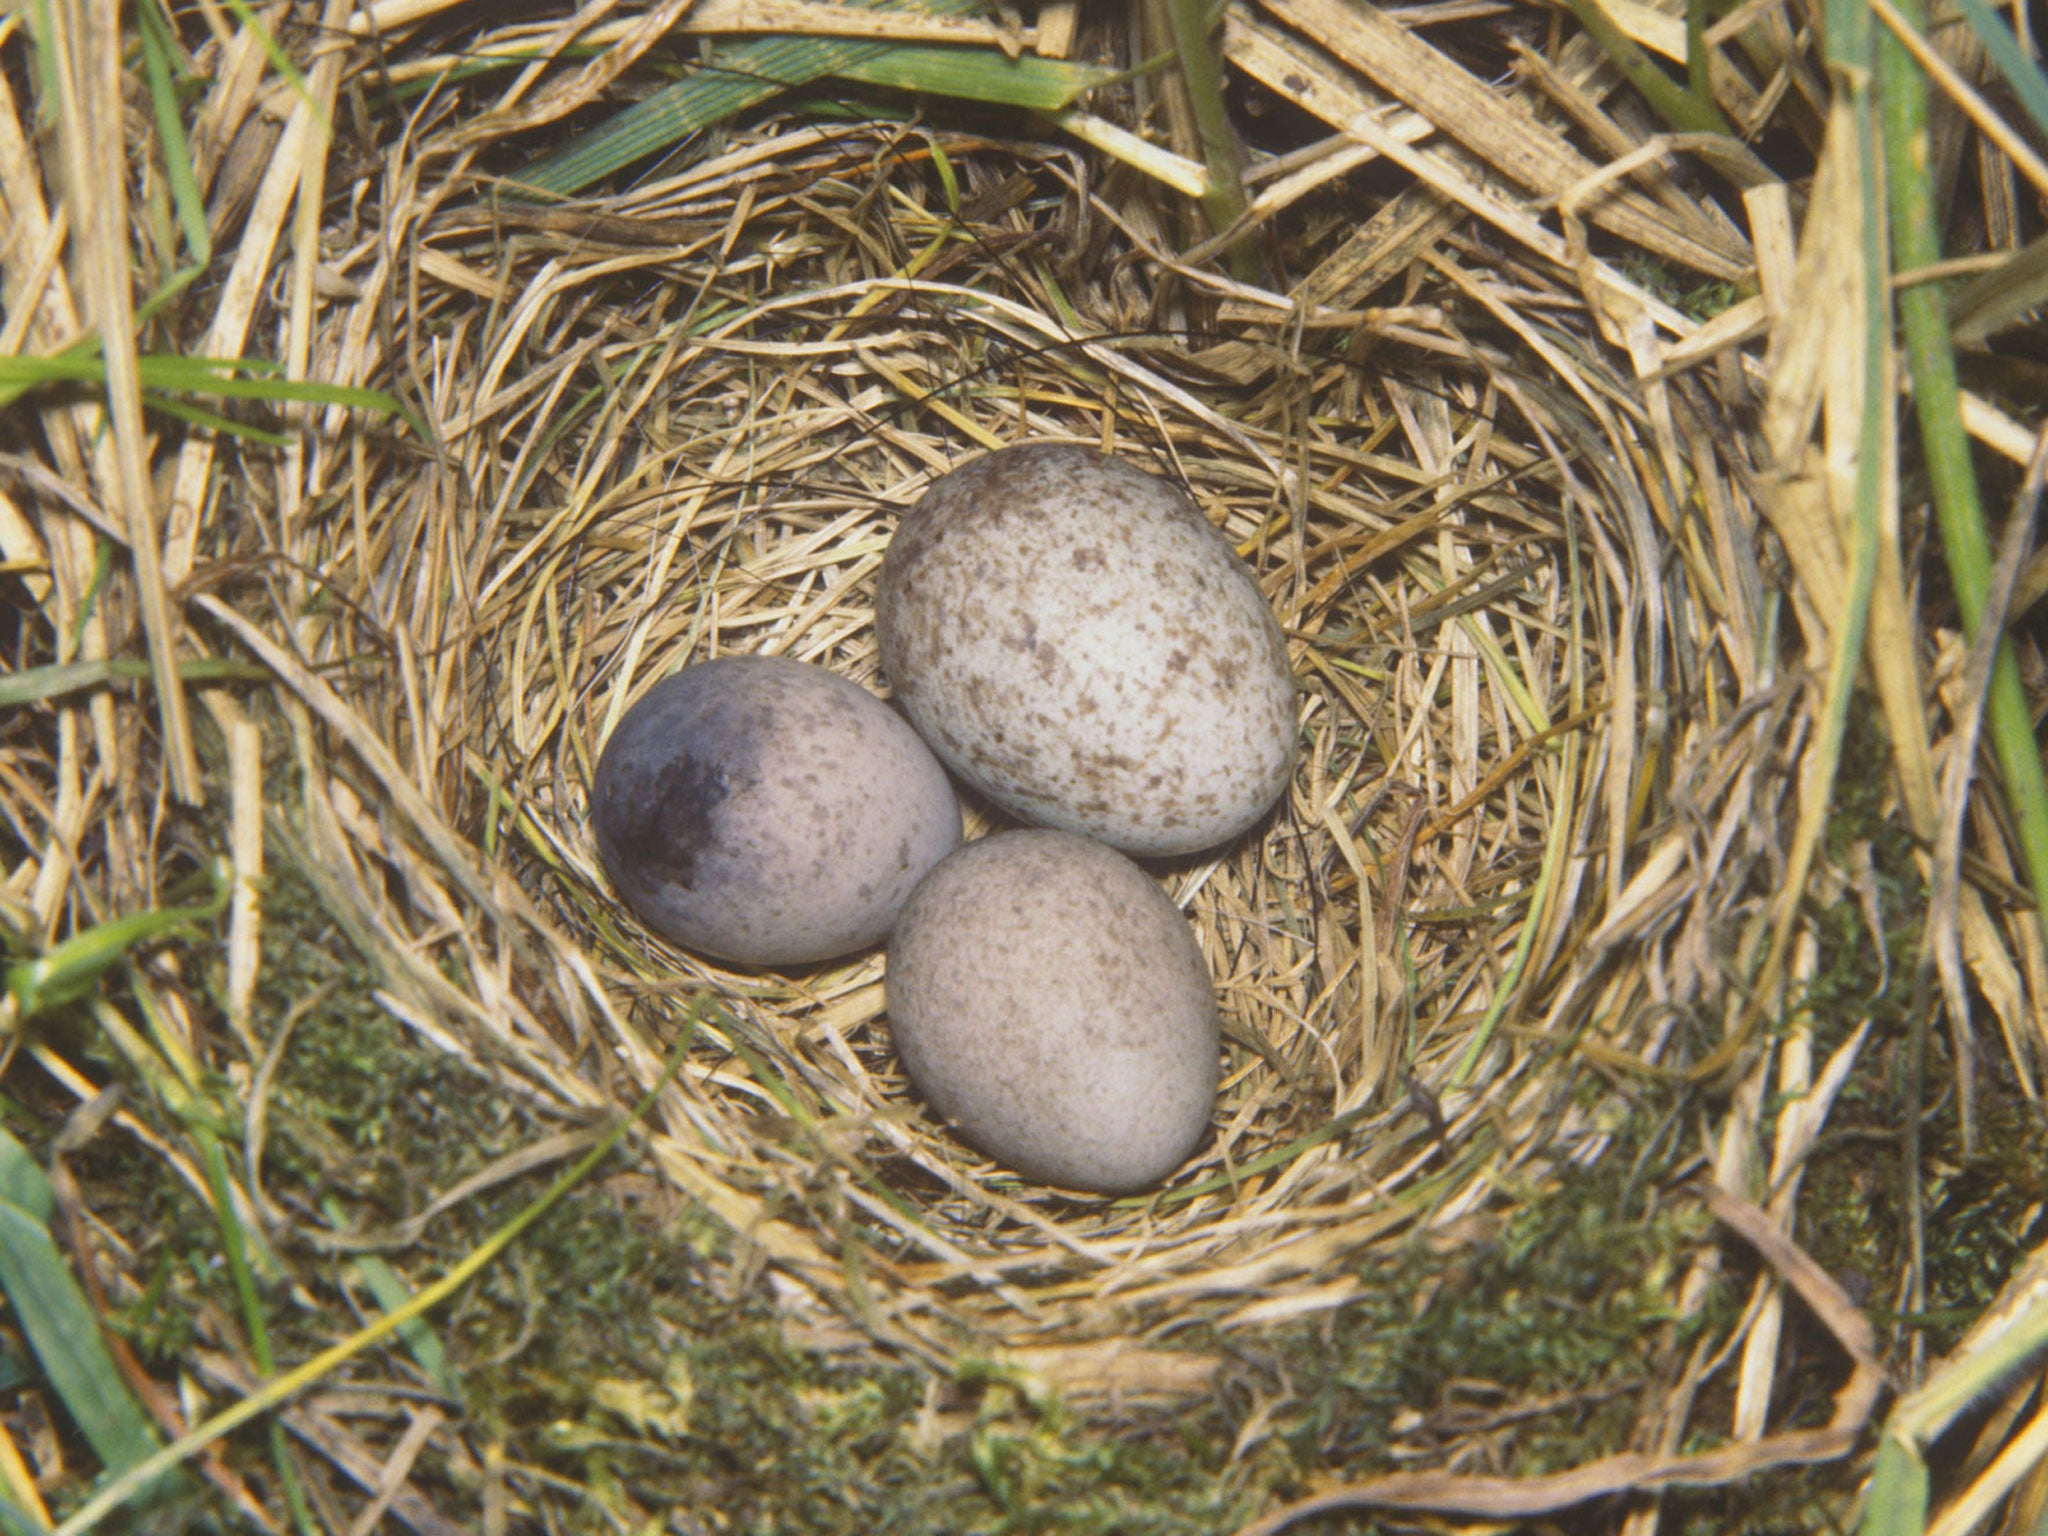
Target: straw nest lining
{"points": [[1460, 554]]}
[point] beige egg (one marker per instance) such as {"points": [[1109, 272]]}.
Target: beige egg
{"points": [[1052, 1006], [768, 812], [1075, 640]]}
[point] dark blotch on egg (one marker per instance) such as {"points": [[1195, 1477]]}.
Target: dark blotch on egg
{"points": [[668, 818]]}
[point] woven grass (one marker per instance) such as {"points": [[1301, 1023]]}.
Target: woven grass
{"points": [[1541, 436]]}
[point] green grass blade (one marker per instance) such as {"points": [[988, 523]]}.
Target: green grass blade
{"points": [[23, 1185], [421, 1342], [1850, 67], [159, 373], [177, 371], [280, 61], [161, 300], [1937, 406], [1679, 107], [212, 421], [1897, 1502], [1192, 25], [59, 1325], [1925, 1414], [2020, 70], [949, 179], [19, 375], [734, 78], [226, 377], [37, 684], [73, 968], [236, 1245], [1698, 75], [1548, 874], [978, 74], [157, 47], [392, 1294]]}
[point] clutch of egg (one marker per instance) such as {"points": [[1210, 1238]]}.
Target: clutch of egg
{"points": [[1072, 637]]}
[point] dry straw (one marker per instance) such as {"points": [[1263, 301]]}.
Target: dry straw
{"points": [[1563, 568]]}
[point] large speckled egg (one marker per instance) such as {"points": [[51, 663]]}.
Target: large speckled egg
{"points": [[768, 812], [1075, 640], [1051, 1004]]}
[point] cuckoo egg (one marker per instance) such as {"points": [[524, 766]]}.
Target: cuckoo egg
{"points": [[768, 812], [1051, 1004], [1075, 640]]}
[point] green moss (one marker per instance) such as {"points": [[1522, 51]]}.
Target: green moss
{"points": [[1702, 299], [1801, 1501], [1565, 1306], [651, 1383]]}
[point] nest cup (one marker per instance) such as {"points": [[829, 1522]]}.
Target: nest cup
{"points": [[1451, 565]]}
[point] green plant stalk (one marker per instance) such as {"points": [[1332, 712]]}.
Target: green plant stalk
{"points": [[58, 1323], [154, 34], [1849, 28], [281, 1389], [2012, 61], [1201, 70], [1937, 405], [1679, 107], [1896, 1504], [251, 1303], [1698, 75]]}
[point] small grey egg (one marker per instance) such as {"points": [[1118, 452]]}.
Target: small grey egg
{"points": [[768, 812], [1075, 640], [1050, 1002]]}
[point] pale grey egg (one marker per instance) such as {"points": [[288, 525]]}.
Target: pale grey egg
{"points": [[765, 811], [1052, 1005], [1075, 640]]}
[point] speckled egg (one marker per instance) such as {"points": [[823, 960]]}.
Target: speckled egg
{"points": [[768, 812], [1051, 1004], [1075, 640]]}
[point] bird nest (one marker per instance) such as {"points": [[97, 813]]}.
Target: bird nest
{"points": [[1561, 567], [1458, 550]]}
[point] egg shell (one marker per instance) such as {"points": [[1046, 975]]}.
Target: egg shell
{"points": [[768, 812], [1051, 1004], [1075, 640]]}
